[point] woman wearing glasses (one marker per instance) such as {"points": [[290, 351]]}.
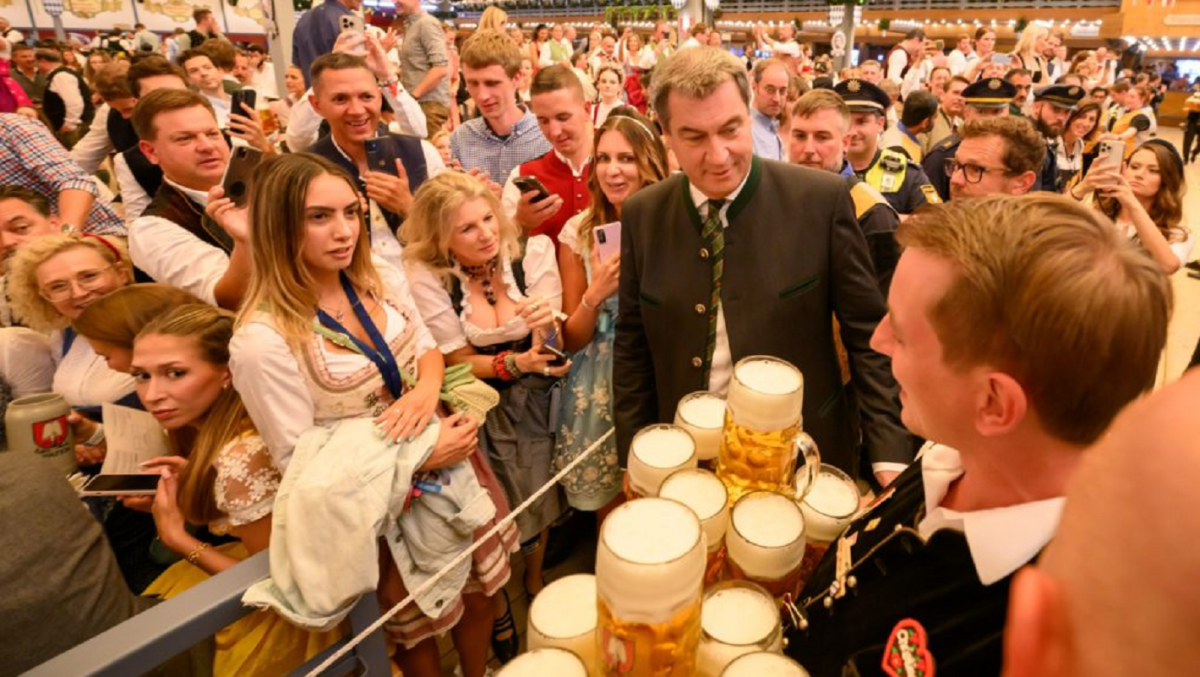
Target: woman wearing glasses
{"points": [[52, 280]]}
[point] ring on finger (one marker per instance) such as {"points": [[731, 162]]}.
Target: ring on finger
{"points": [[545, 371]]}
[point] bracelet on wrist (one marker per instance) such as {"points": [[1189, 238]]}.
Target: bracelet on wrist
{"points": [[194, 555], [510, 363], [584, 302]]}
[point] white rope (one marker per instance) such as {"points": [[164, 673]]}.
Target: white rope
{"points": [[462, 556]]}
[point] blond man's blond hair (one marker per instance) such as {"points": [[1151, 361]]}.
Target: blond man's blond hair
{"points": [[492, 48], [1050, 293]]}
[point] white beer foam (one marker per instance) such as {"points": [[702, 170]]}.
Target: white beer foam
{"points": [[768, 378], [650, 563], [766, 394], [706, 495], [566, 607], [704, 412], [769, 521], [738, 616], [542, 662], [664, 447], [764, 664]]}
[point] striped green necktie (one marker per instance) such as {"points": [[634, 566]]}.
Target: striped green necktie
{"points": [[714, 234]]}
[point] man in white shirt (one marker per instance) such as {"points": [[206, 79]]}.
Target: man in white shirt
{"points": [[1001, 376], [174, 241], [698, 36], [963, 56], [905, 55]]}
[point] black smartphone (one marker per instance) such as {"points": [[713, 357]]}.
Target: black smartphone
{"points": [[246, 96], [551, 347], [528, 183], [121, 485], [236, 182], [375, 158]]}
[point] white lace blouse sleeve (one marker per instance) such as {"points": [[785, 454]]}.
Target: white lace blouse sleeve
{"points": [[397, 283], [267, 376], [1183, 249], [433, 302], [247, 481], [569, 235], [541, 271]]}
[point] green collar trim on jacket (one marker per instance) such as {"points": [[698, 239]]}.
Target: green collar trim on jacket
{"points": [[739, 203]]}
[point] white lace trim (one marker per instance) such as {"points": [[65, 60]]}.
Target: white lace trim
{"points": [[247, 481]]}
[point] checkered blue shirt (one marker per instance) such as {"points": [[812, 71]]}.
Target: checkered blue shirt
{"points": [[475, 145], [31, 157]]}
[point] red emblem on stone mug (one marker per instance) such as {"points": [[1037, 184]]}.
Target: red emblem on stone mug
{"points": [[50, 433]]}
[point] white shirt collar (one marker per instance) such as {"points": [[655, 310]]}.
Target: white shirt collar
{"points": [[197, 196], [566, 161], [1001, 540], [699, 198]]}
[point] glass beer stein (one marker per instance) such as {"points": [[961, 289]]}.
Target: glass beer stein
{"points": [[701, 491], [829, 505], [764, 664], [655, 452], [736, 618], [544, 661], [762, 420], [703, 415], [563, 615], [765, 542], [649, 571]]}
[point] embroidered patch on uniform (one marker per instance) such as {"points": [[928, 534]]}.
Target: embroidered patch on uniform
{"points": [[1074, 91], [907, 651], [994, 83], [853, 85], [931, 194]]}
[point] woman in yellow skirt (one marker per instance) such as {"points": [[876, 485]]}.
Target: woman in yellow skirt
{"points": [[228, 480]]}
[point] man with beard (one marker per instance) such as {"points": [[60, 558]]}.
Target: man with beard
{"points": [[770, 97], [1052, 107]]}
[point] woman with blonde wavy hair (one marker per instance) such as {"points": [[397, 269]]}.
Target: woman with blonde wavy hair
{"points": [[1029, 50], [222, 476], [329, 333], [627, 157], [492, 307]]}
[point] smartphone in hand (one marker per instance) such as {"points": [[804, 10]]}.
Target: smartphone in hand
{"points": [[608, 240], [236, 182], [246, 96], [528, 183]]}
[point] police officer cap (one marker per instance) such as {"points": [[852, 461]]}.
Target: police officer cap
{"points": [[1062, 96], [989, 93], [863, 97]]}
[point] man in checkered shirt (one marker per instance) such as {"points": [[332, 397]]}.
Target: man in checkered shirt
{"points": [[31, 157]]}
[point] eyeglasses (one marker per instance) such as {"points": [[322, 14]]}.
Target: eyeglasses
{"points": [[88, 280], [971, 172]]}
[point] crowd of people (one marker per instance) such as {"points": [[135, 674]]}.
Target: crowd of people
{"points": [[967, 247]]}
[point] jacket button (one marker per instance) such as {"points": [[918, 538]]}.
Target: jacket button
{"points": [[699, 308], [703, 253], [697, 362]]}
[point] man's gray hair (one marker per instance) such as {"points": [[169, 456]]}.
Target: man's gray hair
{"points": [[696, 73]]}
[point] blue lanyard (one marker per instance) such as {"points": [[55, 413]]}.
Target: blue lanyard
{"points": [[380, 354]]}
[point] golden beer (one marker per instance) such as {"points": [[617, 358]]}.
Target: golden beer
{"points": [[649, 569], [706, 495], [762, 421], [563, 615], [829, 505], [765, 543], [736, 618], [764, 664], [702, 414], [270, 124], [655, 452], [542, 662]]}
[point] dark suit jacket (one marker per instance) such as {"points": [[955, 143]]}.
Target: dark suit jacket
{"points": [[794, 257]]}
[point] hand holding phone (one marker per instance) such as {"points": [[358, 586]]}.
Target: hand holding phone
{"points": [[236, 182], [528, 184], [608, 240], [121, 485]]}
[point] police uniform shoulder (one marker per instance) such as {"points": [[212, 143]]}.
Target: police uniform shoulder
{"points": [[948, 143], [865, 197]]}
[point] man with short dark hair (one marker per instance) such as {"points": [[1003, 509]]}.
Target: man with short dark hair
{"points": [[920, 109], [562, 115], [174, 241], [244, 126], [206, 29], [112, 130], [26, 72], [346, 94], [905, 55], [1022, 81], [718, 258], [242, 71], [67, 101], [997, 156], [983, 98], [139, 178], [503, 136], [223, 55], [770, 96], [145, 41], [998, 371], [963, 56]]}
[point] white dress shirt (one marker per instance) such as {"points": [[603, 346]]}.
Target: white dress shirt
{"points": [[1001, 540], [133, 196], [67, 87], [171, 254], [91, 150]]}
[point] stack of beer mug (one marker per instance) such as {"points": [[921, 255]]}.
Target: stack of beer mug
{"points": [[655, 452], [563, 616], [828, 505], [764, 664], [762, 435], [649, 576], [702, 414], [765, 542], [701, 491], [736, 618]]}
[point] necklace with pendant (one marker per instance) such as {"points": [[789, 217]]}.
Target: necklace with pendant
{"points": [[484, 273]]}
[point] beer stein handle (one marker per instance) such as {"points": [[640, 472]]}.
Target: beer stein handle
{"points": [[808, 462]]}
